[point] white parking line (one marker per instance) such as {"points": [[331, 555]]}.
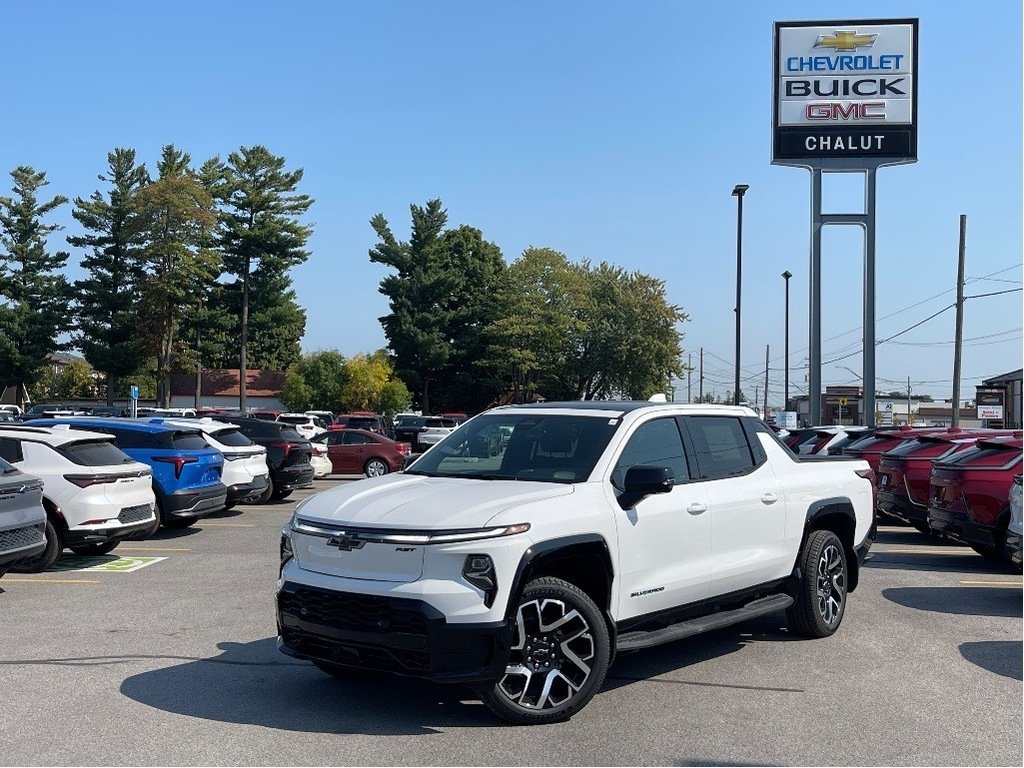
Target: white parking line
{"points": [[16, 580], [1015, 584]]}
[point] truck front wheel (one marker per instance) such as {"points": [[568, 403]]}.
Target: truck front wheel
{"points": [[559, 657]]}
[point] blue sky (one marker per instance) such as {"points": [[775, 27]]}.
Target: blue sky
{"points": [[609, 131]]}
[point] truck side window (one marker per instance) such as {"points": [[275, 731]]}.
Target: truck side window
{"points": [[656, 443], [721, 446]]}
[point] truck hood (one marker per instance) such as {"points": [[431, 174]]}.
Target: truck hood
{"points": [[424, 503]]}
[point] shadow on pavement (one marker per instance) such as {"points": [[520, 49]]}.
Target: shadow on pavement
{"points": [[253, 683], [962, 601], [650, 663], [1002, 657]]}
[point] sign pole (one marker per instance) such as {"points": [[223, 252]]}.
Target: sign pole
{"points": [[955, 421], [869, 298], [814, 302]]}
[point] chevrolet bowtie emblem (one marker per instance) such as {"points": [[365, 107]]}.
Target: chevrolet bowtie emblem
{"points": [[845, 40], [345, 542]]}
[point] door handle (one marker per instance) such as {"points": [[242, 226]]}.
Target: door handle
{"points": [[697, 508], [769, 498]]}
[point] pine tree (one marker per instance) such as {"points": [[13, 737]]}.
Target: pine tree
{"points": [[34, 313], [107, 300], [261, 237]]}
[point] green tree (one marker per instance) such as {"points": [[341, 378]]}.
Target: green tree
{"points": [[571, 332], [316, 380], [65, 382], [261, 237], [441, 298], [34, 313], [175, 215], [296, 394], [107, 299], [372, 386]]}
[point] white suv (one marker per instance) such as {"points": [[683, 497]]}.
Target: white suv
{"points": [[94, 494], [306, 425], [245, 470], [434, 430]]}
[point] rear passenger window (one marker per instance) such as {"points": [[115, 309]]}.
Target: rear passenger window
{"points": [[188, 441], [95, 453], [232, 437], [10, 450], [656, 443], [720, 446]]}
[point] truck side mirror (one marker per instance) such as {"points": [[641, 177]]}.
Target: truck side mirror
{"points": [[643, 481]]}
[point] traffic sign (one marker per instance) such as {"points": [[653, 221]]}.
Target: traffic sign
{"points": [[133, 391], [843, 401]]}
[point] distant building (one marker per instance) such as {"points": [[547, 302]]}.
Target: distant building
{"points": [[220, 389], [998, 400]]}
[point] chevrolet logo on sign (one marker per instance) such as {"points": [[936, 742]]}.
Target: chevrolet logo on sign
{"points": [[845, 40]]}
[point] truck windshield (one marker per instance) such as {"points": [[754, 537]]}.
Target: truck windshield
{"points": [[505, 446]]}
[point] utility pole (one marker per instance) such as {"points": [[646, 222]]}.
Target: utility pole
{"points": [[764, 413], [700, 395], [757, 397], [909, 422], [689, 375], [955, 422]]}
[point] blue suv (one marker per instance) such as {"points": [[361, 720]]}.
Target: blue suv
{"points": [[186, 470]]}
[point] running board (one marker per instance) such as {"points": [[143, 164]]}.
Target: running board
{"points": [[631, 641]]}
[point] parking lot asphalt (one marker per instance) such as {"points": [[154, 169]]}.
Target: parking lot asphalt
{"points": [[170, 660]]}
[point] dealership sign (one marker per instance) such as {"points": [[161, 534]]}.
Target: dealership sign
{"points": [[990, 403], [845, 91]]}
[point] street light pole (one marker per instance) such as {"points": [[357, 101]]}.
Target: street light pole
{"points": [[738, 191], [785, 366]]}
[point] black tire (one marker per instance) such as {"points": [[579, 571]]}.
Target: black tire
{"points": [[93, 550], [558, 631], [267, 492], [821, 599], [922, 528], [46, 558], [278, 495], [375, 468], [180, 522], [989, 553], [230, 504]]}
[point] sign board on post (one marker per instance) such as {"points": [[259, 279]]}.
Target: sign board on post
{"points": [[133, 400], [990, 404], [845, 91]]}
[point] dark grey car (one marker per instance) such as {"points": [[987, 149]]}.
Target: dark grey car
{"points": [[22, 518]]}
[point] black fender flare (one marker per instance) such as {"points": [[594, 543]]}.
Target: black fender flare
{"points": [[840, 512], [552, 550]]}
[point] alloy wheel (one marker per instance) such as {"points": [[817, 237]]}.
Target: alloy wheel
{"points": [[552, 655], [831, 587]]}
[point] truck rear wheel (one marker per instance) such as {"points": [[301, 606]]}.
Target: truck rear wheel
{"points": [[559, 658], [820, 601]]}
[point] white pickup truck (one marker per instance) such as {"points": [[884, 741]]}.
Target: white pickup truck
{"points": [[524, 550]]}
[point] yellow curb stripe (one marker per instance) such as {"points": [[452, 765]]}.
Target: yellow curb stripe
{"points": [[992, 583], [15, 580]]}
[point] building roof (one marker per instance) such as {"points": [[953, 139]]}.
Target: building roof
{"points": [[1005, 378], [223, 382]]}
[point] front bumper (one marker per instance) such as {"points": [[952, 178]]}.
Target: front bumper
{"points": [[20, 543], [388, 634], [900, 506], [195, 502]]}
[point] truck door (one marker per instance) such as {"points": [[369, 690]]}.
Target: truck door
{"points": [[665, 540]]}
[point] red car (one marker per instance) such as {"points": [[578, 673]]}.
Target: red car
{"points": [[361, 452], [871, 447], [905, 471], [970, 492]]}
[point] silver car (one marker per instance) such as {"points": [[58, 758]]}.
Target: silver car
{"points": [[22, 518]]}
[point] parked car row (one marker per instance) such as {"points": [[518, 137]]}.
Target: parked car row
{"points": [[104, 480], [953, 483]]}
